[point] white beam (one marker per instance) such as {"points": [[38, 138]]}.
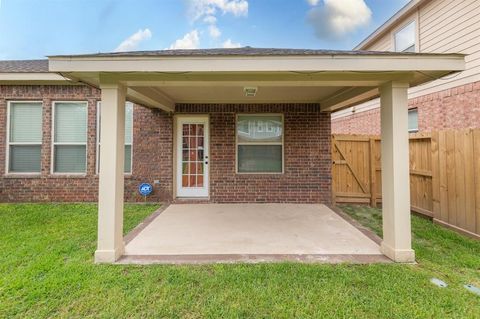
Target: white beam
{"points": [[370, 62], [348, 97], [397, 240], [273, 79], [151, 97], [111, 179]]}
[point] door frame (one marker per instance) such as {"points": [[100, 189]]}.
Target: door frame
{"points": [[176, 119]]}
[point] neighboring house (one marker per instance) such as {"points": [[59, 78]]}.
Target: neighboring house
{"points": [[427, 26], [241, 125]]}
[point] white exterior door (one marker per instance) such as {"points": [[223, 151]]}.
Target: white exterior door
{"points": [[192, 156]]}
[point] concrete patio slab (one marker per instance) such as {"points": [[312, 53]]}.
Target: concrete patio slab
{"points": [[250, 232]]}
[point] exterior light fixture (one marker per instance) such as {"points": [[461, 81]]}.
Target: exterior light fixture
{"points": [[250, 91]]}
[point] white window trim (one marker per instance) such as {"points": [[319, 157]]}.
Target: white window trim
{"points": [[8, 143], [52, 151], [413, 130], [97, 141], [403, 26], [282, 143]]}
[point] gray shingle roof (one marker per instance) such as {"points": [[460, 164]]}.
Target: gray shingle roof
{"points": [[24, 66], [41, 66], [245, 51]]}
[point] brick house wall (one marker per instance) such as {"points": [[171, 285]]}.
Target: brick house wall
{"points": [[366, 123], [307, 176], [307, 158], [454, 108], [149, 163]]}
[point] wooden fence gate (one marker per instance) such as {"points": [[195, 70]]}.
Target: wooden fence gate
{"points": [[444, 175]]}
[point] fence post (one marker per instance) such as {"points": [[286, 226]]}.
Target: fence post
{"points": [[435, 175], [476, 158], [373, 174], [334, 196]]}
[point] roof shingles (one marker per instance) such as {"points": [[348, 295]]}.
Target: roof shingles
{"points": [[245, 51], [24, 66], [41, 66]]}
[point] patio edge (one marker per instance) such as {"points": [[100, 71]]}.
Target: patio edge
{"points": [[364, 230], [252, 258], [147, 221]]}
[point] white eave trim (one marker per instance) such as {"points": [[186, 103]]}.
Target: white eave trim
{"points": [[335, 63], [25, 76]]}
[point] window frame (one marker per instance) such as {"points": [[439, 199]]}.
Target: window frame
{"points": [[409, 111], [8, 143], [282, 143], [402, 27], [97, 140], [52, 152]]}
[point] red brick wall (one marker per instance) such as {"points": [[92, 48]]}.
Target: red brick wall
{"points": [[367, 123], [307, 176], [152, 153], [454, 108], [450, 109], [148, 163]]}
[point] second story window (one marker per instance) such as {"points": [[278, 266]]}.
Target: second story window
{"points": [[405, 38]]}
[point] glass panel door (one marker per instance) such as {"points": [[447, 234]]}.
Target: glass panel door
{"points": [[192, 157]]}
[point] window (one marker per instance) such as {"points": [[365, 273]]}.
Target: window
{"points": [[405, 38], [70, 137], [24, 137], [128, 137], [260, 143], [413, 120]]}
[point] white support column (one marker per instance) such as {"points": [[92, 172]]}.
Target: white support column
{"points": [[397, 237], [110, 190]]}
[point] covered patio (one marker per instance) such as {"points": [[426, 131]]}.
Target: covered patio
{"points": [[323, 80], [197, 233]]}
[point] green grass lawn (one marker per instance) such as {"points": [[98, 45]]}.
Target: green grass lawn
{"points": [[47, 270]]}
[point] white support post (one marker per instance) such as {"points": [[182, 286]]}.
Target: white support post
{"points": [[397, 237], [110, 190]]}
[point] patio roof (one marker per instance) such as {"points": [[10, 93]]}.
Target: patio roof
{"points": [[332, 78]]}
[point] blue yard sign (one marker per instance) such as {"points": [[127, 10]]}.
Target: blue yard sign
{"points": [[145, 189]]}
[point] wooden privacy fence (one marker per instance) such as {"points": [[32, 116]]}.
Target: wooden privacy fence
{"points": [[444, 175]]}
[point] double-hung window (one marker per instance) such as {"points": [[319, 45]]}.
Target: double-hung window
{"points": [[260, 143], [70, 137], [128, 137], [405, 38], [24, 137]]}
